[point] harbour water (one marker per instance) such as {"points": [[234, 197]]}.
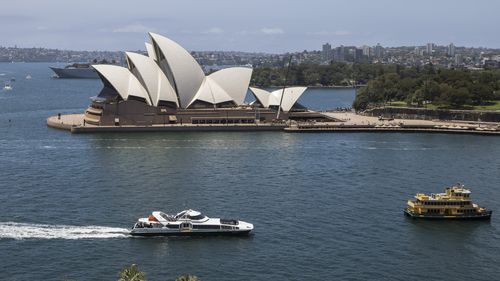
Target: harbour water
{"points": [[324, 206]]}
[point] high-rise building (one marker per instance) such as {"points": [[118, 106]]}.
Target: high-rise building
{"points": [[367, 51], [418, 51], [451, 50], [379, 51], [458, 59], [326, 53], [340, 54], [357, 54], [430, 48]]}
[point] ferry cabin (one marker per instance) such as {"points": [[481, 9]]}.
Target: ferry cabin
{"points": [[455, 202]]}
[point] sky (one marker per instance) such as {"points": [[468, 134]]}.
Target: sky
{"points": [[271, 26]]}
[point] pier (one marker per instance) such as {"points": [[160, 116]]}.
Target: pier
{"points": [[75, 124]]}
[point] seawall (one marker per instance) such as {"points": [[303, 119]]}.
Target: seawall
{"points": [[432, 114]]}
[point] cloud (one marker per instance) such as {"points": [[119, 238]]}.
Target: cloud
{"points": [[132, 28], [343, 32], [330, 33], [214, 30], [271, 31], [320, 33]]}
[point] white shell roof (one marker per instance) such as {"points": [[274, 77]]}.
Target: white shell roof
{"points": [[211, 92], [151, 51], [234, 81], [290, 97], [156, 83], [124, 82], [261, 95], [178, 78], [187, 73]]}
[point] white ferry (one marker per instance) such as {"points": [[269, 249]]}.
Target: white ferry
{"points": [[187, 223]]}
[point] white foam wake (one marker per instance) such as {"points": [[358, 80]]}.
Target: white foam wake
{"points": [[14, 230]]}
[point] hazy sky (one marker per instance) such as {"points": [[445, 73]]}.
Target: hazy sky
{"points": [[256, 25]]}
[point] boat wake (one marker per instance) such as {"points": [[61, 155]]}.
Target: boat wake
{"points": [[20, 231]]}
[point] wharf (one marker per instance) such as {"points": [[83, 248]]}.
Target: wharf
{"points": [[351, 122], [346, 122], [74, 123]]}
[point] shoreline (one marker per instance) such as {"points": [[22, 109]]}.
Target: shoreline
{"points": [[346, 122], [365, 129]]}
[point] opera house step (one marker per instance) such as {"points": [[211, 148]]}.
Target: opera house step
{"points": [[94, 111], [92, 119]]}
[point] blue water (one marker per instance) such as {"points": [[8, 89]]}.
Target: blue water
{"points": [[324, 206]]}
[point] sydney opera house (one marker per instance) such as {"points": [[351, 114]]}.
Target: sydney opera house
{"points": [[168, 86]]}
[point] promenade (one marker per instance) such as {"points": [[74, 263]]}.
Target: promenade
{"points": [[351, 122], [75, 124], [347, 122]]}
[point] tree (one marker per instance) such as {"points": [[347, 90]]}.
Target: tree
{"points": [[481, 93], [430, 90], [132, 273], [418, 97], [390, 86], [459, 97]]}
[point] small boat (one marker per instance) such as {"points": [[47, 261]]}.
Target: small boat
{"points": [[28, 77], [454, 204], [7, 87], [188, 223]]}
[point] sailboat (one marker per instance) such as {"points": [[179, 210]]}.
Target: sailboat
{"points": [[7, 87]]}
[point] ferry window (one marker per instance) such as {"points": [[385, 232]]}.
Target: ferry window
{"points": [[198, 217], [207, 226], [163, 215]]}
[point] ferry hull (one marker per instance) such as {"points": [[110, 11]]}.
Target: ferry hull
{"points": [[192, 233], [485, 216]]}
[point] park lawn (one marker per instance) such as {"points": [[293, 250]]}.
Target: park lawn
{"points": [[495, 105], [398, 103]]}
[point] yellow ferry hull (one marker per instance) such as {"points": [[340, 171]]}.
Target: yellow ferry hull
{"points": [[483, 216]]}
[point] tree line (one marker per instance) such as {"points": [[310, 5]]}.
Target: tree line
{"points": [[444, 88], [335, 74], [386, 83]]}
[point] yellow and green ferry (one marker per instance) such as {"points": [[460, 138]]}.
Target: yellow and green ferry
{"points": [[455, 203]]}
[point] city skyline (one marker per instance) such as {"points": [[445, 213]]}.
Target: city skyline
{"points": [[275, 27]]}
